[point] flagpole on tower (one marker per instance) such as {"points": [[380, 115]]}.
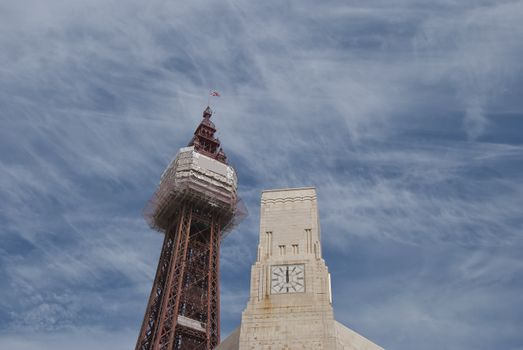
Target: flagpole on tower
{"points": [[212, 93]]}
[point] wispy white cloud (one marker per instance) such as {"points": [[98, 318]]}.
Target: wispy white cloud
{"points": [[478, 50], [418, 196], [86, 339], [448, 304]]}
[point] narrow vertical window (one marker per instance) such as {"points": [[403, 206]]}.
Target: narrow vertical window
{"points": [[282, 249], [268, 243], [308, 240], [295, 249]]}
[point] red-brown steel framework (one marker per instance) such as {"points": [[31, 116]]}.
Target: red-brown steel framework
{"points": [[183, 311]]}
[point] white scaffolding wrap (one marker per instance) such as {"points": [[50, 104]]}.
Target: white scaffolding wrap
{"points": [[206, 181]]}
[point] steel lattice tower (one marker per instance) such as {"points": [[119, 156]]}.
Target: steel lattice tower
{"points": [[194, 205]]}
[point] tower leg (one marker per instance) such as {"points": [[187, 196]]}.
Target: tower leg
{"points": [[183, 309], [213, 314]]}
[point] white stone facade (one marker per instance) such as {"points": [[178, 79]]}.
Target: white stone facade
{"points": [[290, 304]]}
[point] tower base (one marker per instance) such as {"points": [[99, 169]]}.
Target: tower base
{"points": [[346, 339]]}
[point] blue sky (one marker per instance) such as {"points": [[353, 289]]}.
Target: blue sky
{"points": [[406, 115]]}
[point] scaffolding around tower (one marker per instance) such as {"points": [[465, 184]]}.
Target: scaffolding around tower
{"points": [[198, 179]]}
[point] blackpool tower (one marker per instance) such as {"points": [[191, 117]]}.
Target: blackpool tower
{"points": [[194, 205]]}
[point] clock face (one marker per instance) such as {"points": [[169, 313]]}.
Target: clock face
{"points": [[287, 279]]}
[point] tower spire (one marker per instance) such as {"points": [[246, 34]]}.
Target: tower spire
{"points": [[204, 141]]}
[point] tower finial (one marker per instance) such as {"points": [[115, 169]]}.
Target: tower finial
{"points": [[207, 113]]}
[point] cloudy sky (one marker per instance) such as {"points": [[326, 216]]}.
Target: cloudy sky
{"points": [[407, 116]]}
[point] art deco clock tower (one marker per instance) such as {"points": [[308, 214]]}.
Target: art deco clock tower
{"points": [[290, 304]]}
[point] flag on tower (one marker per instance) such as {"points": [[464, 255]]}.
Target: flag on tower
{"points": [[215, 93]]}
